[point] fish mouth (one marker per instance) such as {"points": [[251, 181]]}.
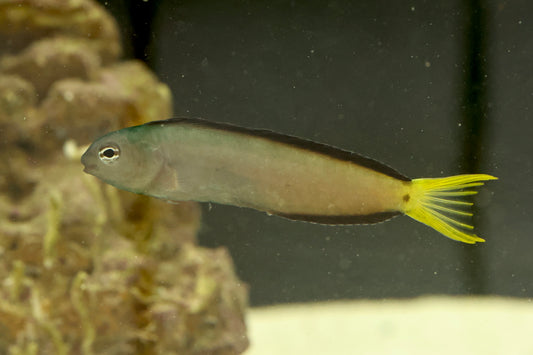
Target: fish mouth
{"points": [[88, 168]]}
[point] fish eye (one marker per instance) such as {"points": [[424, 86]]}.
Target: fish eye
{"points": [[109, 154]]}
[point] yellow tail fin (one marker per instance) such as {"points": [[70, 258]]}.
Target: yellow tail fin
{"points": [[440, 203]]}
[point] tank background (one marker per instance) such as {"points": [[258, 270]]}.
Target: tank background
{"points": [[379, 78]]}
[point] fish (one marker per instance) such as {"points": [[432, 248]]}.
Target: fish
{"points": [[192, 159]]}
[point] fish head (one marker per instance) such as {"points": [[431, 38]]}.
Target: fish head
{"points": [[123, 161]]}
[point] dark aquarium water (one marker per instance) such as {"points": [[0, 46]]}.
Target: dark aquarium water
{"points": [[430, 88]]}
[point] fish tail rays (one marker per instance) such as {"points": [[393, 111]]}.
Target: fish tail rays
{"points": [[443, 204]]}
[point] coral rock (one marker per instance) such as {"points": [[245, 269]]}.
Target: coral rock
{"points": [[49, 60], [84, 268], [24, 21], [118, 96]]}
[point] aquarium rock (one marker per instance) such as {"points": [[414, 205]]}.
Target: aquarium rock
{"points": [[85, 268]]}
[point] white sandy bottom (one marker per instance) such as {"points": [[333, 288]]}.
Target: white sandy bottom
{"points": [[430, 325]]}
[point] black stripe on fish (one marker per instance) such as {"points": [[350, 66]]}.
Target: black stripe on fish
{"points": [[343, 219], [301, 143]]}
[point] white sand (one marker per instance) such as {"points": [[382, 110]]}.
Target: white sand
{"points": [[431, 325]]}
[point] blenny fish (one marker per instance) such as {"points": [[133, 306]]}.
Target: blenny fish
{"points": [[184, 159]]}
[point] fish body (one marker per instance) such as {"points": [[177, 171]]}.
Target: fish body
{"points": [[192, 159]]}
